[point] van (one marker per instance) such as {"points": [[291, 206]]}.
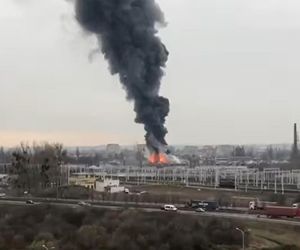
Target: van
{"points": [[169, 208]]}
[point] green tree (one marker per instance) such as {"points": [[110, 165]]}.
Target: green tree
{"points": [[77, 153], [38, 166], [21, 165], [239, 151], [92, 237]]}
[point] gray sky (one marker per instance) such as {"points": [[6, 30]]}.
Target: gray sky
{"points": [[232, 76]]}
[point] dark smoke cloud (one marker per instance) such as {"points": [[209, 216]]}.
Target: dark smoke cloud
{"points": [[128, 39]]}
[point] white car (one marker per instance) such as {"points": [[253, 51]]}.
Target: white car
{"points": [[169, 208], [200, 210], [84, 204], [30, 202]]}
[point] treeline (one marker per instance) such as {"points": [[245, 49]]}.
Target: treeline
{"points": [[125, 157], [37, 166], [88, 229], [5, 156]]}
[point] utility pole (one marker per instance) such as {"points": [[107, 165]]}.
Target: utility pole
{"points": [[275, 184], [247, 182], [295, 152], [282, 183], [235, 182]]}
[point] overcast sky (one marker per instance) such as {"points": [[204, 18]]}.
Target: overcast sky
{"points": [[232, 77]]}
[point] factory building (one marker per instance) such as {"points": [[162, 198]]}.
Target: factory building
{"points": [[96, 182], [191, 150], [83, 179], [109, 186]]}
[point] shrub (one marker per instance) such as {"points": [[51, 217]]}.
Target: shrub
{"points": [[92, 229]]}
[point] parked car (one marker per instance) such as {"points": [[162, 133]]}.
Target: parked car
{"points": [[30, 202], [169, 208]]}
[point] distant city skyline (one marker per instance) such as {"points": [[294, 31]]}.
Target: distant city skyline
{"points": [[232, 76]]}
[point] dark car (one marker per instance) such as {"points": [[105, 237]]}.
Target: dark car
{"points": [[29, 202], [206, 205]]}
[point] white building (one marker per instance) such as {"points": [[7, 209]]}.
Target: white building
{"points": [[109, 185], [113, 149], [191, 150]]}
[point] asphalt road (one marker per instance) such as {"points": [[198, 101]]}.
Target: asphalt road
{"points": [[238, 216]]}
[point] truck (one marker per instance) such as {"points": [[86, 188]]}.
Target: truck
{"points": [[278, 211], [227, 183], [270, 210], [260, 205], [206, 205]]}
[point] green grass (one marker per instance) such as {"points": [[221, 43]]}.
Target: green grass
{"points": [[270, 236], [183, 193]]}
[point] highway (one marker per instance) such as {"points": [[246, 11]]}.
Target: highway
{"points": [[118, 206]]}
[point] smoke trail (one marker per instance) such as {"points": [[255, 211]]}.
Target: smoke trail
{"points": [[128, 39]]}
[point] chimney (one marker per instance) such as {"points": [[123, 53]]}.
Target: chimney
{"points": [[295, 152]]}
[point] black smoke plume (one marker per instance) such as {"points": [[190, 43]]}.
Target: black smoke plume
{"points": [[128, 39]]}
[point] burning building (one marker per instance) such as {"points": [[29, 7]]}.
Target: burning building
{"points": [[158, 159], [164, 159]]}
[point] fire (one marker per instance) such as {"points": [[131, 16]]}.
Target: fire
{"points": [[158, 159]]}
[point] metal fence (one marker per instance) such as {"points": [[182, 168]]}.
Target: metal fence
{"points": [[241, 177]]}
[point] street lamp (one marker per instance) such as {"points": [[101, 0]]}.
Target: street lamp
{"points": [[243, 237]]}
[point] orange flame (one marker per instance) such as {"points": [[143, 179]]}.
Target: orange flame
{"points": [[158, 159]]}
